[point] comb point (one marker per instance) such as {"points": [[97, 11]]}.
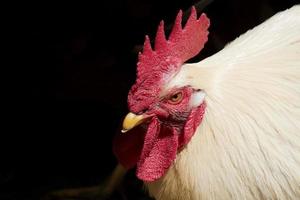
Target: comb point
{"points": [[203, 19], [160, 40], [192, 18], [193, 13], [178, 20], [177, 28], [147, 46]]}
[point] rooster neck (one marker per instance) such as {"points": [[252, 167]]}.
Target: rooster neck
{"points": [[248, 144]]}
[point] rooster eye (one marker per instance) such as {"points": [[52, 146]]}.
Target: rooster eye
{"points": [[176, 98]]}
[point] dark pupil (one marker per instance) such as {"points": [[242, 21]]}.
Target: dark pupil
{"points": [[175, 97]]}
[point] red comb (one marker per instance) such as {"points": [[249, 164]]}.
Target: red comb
{"points": [[183, 44], [166, 58]]}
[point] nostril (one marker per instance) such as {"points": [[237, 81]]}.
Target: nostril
{"points": [[142, 112]]}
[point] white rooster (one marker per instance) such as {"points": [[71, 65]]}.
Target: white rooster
{"points": [[227, 127]]}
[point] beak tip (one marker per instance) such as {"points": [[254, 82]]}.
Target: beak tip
{"points": [[131, 120]]}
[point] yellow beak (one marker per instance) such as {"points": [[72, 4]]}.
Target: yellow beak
{"points": [[131, 120]]}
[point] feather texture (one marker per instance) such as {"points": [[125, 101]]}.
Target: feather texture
{"points": [[248, 145]]}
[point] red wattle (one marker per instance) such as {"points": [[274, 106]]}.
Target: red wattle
{"points": [[192, 123], [158, 153]]}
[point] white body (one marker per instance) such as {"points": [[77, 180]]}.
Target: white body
{"points": [[248, 145]]}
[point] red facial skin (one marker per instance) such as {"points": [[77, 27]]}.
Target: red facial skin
{"points": [[153, 146]]}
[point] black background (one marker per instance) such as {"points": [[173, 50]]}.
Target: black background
{"points": [[72, 65]]}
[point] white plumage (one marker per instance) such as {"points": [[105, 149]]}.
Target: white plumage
{"points": [[248, 145]]}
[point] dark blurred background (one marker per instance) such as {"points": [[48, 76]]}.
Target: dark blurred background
{"points": [[73, 64]]}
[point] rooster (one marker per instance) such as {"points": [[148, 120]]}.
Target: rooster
{"points": [[227, 127]]}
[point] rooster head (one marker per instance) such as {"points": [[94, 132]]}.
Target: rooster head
{"points": [[163, 117]]}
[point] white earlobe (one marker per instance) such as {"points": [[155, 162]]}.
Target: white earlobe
{"points": [[197, 98]]}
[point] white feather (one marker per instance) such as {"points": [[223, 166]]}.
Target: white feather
{"points": [[248, 145]]}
